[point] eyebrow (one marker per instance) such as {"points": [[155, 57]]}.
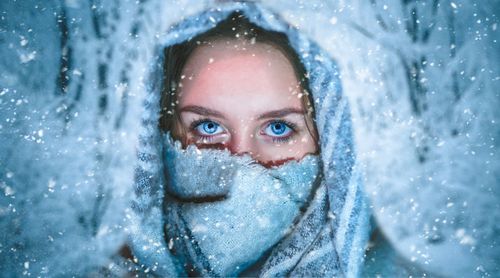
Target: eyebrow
{"points": [[200, 110], [280, 113]]}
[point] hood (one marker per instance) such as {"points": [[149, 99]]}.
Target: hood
{"points": [[348, 210]]}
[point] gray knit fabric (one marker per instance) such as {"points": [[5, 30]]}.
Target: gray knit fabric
{"points": [[223, 234], [330, 238]]}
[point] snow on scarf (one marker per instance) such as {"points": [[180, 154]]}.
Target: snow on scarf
{"points": [[332, 245]]}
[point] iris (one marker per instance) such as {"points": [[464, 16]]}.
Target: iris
{"points": [[208, 128], [278, 128]]}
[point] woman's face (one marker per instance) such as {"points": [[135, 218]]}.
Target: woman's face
{"points": [[244, 97]]}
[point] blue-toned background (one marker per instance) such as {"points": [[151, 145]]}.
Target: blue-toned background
{"points": [[422, 78]]}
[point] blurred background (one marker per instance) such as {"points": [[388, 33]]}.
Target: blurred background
{"points": [[422, 78]]}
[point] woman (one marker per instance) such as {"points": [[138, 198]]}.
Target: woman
{"points": [[263, 182]]}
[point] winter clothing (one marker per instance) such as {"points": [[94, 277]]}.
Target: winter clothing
{"points": [[256, 207], [328, 239]]}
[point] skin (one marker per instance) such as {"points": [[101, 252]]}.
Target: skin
{"points": [[244, 97]]}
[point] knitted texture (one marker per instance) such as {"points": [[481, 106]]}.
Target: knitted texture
{"points": [[338, 216]]}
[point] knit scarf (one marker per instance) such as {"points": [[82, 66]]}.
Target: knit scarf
{"points": [[223, 212], [329, 237]]}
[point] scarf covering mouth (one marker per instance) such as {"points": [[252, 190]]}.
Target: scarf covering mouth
{"points": [[330, 237], [225, 212]]}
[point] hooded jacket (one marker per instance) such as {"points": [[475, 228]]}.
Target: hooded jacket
{"points": [[344, 202]]}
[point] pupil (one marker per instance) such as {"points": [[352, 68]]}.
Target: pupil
{"points": [[209, 127], [278, 128]]}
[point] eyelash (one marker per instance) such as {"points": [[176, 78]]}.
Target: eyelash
{"points": [[276, 140], [283, 139], [196, 123]]}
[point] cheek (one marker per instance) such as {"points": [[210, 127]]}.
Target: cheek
{"points": [[276, 154], [308, 144]]}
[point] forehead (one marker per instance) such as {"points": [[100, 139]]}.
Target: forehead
{"points": [[234, 52], [241, 74]]}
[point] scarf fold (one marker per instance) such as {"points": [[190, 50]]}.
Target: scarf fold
{"points": [[331, 236], [308, 250], [226, 235]]}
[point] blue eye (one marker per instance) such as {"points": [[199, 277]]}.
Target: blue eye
{"points": [[208, 128], [278, 129]]}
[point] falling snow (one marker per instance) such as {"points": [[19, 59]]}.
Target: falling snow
{"points": [[421, 77]]}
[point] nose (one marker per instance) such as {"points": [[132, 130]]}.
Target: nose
{"points": [[242, 143]]}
